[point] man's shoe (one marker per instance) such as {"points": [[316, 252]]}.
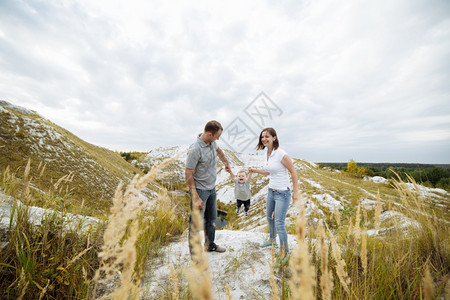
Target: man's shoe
{"points": [[268, 243], [215, 248]]}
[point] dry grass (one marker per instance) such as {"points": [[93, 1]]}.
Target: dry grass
{"points": [[50, 260], [275, 295], [428, 284], [326, 279], [303, 281], [408, 260], [340, 264], [199, 277], [119, 253]]}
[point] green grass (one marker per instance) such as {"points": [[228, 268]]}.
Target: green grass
{"points": [[47, 259]]}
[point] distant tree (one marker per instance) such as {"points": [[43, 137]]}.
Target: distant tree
{"points": [[362, 171], [126, 155], [443, 183], [370, 172], [434, 175], [351, 167]]}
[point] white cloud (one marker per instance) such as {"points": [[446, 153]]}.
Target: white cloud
{"points": [[141, 74]]}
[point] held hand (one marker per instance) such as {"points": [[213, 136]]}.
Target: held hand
{"points": [[228, 168], [250, 169]]}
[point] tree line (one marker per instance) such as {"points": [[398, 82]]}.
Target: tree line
{"points": [[429, 175]]}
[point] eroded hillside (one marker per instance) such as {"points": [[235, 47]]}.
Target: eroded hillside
{"points": [[95, 171]]}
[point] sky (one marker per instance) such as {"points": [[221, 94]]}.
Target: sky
{"points": [[361, 80]]}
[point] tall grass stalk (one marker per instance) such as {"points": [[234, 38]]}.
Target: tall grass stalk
{"points": [[340, 264], [378, 209], [229, 295], [326, 278], [427, 284], [357, 227], [199, 277], [303, 281], [275, 295], [337, 215], [363, 253], [174, 281]]}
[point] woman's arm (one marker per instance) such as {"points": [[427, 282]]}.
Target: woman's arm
{"points": [[259, 171], [287, 162]]}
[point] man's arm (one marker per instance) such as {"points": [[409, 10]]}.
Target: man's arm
{"points": [[196, 200], [232, 174], [223, 159]]}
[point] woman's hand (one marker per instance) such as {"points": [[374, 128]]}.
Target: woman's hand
{"points": [[258, 171], [294, 196]]}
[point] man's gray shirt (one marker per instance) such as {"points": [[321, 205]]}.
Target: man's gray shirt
{"points": [[242, 190], [202, 158]]}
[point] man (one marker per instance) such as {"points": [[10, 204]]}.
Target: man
{"points": [[200, 175]]}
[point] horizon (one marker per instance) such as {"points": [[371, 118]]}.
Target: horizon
{"points": [[262, 152]]}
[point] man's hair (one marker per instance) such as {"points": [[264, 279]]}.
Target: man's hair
{"points": [[213, 127], [273, 133]]}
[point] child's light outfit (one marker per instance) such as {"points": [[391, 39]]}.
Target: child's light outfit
{"points": [[242, 195]]}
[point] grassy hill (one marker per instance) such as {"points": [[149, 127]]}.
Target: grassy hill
{"points": [[95, 171]]}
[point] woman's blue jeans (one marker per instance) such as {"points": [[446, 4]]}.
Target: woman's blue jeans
{"points": [[277, 205]]}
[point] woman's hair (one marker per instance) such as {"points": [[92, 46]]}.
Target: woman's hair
{"points": [[273, 133], [213, 126]]}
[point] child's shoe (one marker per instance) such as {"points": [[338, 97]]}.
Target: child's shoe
{"points": [[246, 213], [238, 210]]}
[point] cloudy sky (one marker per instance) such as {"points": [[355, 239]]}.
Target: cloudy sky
{"points": [[338, 80]]}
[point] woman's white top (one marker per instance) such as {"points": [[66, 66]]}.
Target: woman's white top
{"points": [[279, 177]]}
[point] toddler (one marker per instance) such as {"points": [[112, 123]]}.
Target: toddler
{"points": [[242, 189]]}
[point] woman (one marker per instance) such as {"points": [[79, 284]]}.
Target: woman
{"points": [[277, 165]]}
